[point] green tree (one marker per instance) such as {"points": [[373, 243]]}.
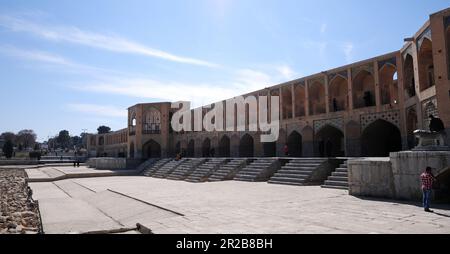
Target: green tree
{"points": [[63, 139], [8, 149], [27, 138], [103, 129]]}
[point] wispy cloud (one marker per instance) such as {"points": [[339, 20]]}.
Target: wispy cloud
{"points": [[323, 28], [348, 51], [98, 110], [286, 71], [108, 42], [34, 55]]}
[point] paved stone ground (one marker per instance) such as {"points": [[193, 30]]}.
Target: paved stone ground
{"points": [[90, 204], [51, 173]]}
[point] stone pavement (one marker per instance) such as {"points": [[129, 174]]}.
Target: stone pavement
{"points": [[55, 173], [165, 206]]}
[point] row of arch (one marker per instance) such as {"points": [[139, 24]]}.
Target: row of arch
{"points": [[377, 140]]}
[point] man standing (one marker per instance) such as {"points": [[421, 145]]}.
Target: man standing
{"points": [[427, 179]]}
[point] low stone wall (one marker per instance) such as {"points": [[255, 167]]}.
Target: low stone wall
{"points": [[397, 176], [321, 173], [408, 166], [107, 163], [371, 177], [18, 162]]}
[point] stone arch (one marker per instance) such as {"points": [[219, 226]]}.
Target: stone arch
{"points": [[286, 93], [338, 94], [408, 76], [329, 142], [190, 152], [380, 138], [363, 90], [299, 91], [317, 98], [132, 150], [426, 67], [388, 84], [151, 149], [224, 147], [206, 147], [101, 141], [294, 143], [246, 146]]}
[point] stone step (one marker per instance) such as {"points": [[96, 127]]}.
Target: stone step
{"points": [[338, 178], [342, 170], [290, 171], [291, 175], [335, 183], [288, 179], [341, 174], [334, 187], [285, 183]]}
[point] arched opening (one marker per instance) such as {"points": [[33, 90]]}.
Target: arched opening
{"points": [[151, 149], [338, 90], [101, 141], [408, 77], [317, 98], [388, 84], [299, 91], [178, 148], [206, 148], [152, 122], [411, 126], [442, 194], [191, 149], [246, 146], [294, 143], [270, 149], [426, 67], [287, 102], [132, 150], [329, 142], [224, 147], [380, 138], [363, 90]]}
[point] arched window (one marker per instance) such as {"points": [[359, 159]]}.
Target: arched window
{"points": [[152, 122]]}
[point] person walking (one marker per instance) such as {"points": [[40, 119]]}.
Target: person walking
{"points": [[286, 150], [427, 178]]}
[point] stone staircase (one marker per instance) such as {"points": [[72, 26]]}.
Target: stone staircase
{"points": [[229, 170], [150, 169], [205, 170], [186, 168], [168, 168], [338, 179], [259, 170], [297, 171]]}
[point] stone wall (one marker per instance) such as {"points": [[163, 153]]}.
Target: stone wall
{"points": [[395, 177], [407, 167], [371, 177], [107, 163]]}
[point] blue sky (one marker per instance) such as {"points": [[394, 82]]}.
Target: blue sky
{"points": [[79, 64]]}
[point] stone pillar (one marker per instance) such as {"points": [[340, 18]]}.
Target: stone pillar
{"points": [[306, 98], [350, 89], [293, 100], [401, 100], [377, 85], [327, 98]]}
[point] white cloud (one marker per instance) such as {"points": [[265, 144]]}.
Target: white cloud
{"points": [[34, 55], [96, 40], [98, 110], [286, 71], [348, 52]]}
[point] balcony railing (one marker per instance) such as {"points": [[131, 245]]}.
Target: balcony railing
{"points": [[151, 128]]}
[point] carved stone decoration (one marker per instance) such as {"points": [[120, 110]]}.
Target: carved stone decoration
{"points": [[335, 122], [389, 116], [425, 34]]}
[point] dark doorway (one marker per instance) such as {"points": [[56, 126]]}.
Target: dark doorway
{"points": [[246, 146], [152, 149], [294, 143], [330, 142], [224, 147], [132, 150], [191, 149], [380, 138], [206, 148], [270, 149]]}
